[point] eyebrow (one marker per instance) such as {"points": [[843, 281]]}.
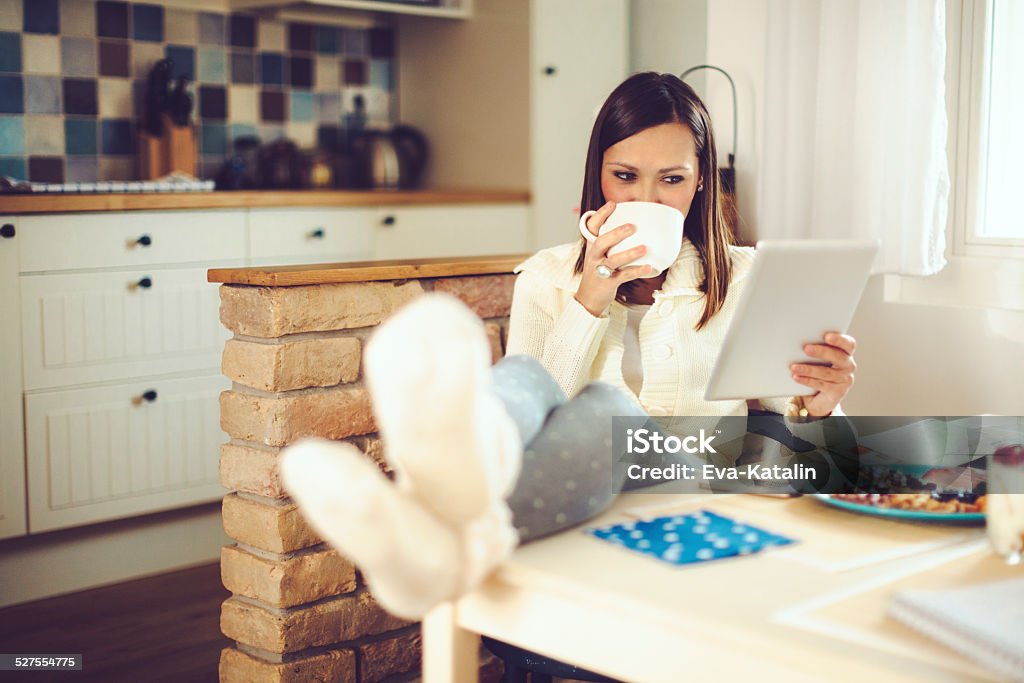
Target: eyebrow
{"points": [[660, 170]]}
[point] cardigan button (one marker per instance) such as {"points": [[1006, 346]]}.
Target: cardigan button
{"points": [[665, 308], [663, 352]]}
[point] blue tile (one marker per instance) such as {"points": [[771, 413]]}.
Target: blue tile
{"points": [[241, 130], [212, 65], [302, 106], [43, 95], [271, 68], [380, 73], [12, 135], [211, 28], [184, 59], [213, 139], [328, 40], [41, 16], [14, 167], [117, 136], [10, 52], [148, 23], [11, 95], [80, 136]]}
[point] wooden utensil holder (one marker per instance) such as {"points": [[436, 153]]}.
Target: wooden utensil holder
{"points": [[174, 150]]}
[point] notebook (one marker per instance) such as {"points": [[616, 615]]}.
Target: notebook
{"points": [[984, 622]]}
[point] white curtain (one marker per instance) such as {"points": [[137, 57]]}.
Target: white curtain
{"points": [[855, 127]]}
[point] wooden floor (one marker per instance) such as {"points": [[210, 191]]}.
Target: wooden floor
{"points": [[163, 628]]}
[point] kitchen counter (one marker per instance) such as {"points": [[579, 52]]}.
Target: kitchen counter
{"points": [[366, 271], [66, 203]]}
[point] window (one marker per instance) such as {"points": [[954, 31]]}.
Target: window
{"points": [[988, 164], [985, 107]]}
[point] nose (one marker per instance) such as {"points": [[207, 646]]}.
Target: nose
{"points": [[648, 192]]}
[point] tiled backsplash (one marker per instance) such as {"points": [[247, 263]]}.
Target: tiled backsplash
{"points": [[73, 76]]}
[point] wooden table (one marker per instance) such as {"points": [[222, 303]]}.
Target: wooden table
{"points": [[811, 611]]}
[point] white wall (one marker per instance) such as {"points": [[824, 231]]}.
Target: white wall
{"points": [[668, 36], [466, 85]]}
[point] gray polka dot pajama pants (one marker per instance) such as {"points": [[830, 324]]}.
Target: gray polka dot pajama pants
{"points": [[567, 475]]}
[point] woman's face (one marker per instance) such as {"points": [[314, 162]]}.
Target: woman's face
{"points": [[658, 164]]}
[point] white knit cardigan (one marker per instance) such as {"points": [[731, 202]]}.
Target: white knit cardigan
{"points": [[575, 347]]}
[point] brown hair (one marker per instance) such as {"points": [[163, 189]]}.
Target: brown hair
{"points": [[652, 99]]}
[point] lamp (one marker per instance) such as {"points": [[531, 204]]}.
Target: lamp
{"points": [[726, 175]]}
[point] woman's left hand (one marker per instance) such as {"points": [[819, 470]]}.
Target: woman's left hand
{"points": [[831, 383]]}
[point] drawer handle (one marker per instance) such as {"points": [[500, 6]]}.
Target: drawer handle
{"points": [[146, 397], [388, 220], [550, 70], [7, 231], [144, 241], [317, 234], [144, 283]]}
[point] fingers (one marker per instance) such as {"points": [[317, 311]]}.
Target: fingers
{"points": [[632, 273], [595, 222], [834, 355], [608, 240], [623, 258], [842, 376]]}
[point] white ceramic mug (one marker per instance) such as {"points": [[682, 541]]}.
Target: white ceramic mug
{"points": [[658, 227]]}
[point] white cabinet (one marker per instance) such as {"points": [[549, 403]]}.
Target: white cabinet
{"points": [[12, 453], [111, 342], [326, 235], [579, 53], [80, 328], [130, 239], [434, 231], [114, 451]]}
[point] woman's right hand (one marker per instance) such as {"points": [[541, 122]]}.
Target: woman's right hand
{"points": [[596, 293]]}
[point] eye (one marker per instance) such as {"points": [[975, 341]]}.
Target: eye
{"points": [[673, 179], [624, 175]]}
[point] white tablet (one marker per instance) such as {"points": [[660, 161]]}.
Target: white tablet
{"points": [[797, 291]]}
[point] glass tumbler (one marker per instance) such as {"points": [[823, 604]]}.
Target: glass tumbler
{"points": [[1004, 509]]}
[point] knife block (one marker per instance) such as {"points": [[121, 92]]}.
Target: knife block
{"points": [[174, 150]]}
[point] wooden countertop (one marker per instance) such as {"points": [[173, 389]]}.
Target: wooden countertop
{"points": [[366, 271], [136, 201]]}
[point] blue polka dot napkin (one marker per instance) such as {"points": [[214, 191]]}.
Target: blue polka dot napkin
{"points": [[693, 537]]}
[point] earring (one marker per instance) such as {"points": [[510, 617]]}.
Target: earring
{"points": [[700, 188]]}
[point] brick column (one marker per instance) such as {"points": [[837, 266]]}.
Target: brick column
{"points": [[300, 611]]}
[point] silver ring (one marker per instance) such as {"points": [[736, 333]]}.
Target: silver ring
{"points": [[603, 271]]}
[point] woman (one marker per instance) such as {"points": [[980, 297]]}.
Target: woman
{"points": [[652, 141], [489, 458]]}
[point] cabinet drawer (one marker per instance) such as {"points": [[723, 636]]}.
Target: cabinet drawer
{"points": [[440, 231], [115, 240], [282, 236], [105, 453], [80, 328]]}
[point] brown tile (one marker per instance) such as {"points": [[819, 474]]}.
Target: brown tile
{"points": [[115, 59], [355, 72], [272, 106], [46, 169]]}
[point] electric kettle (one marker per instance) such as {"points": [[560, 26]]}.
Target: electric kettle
{"points": [[392, 159]]}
